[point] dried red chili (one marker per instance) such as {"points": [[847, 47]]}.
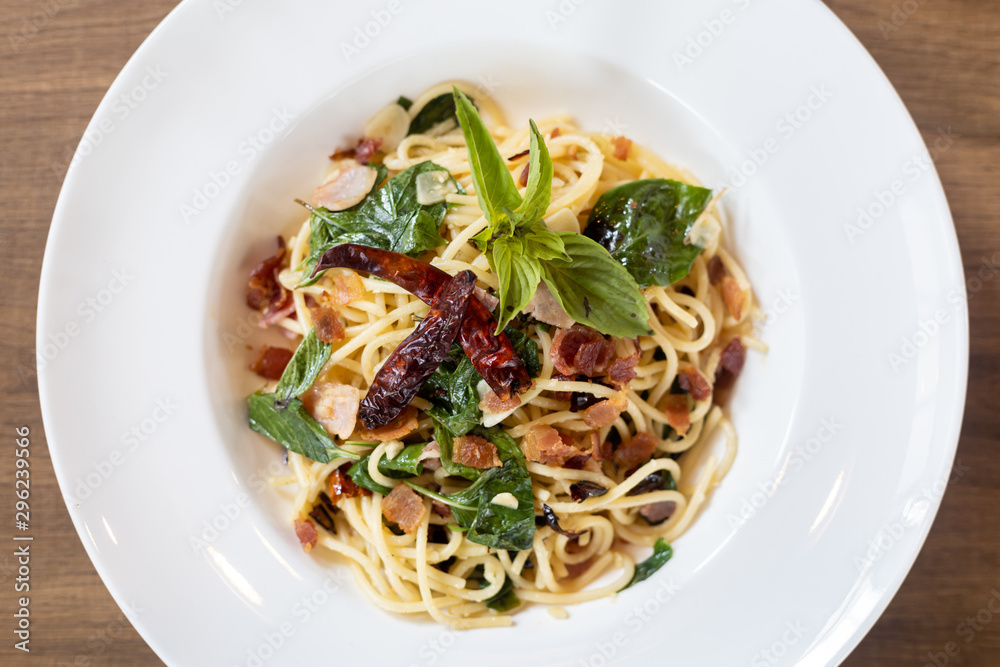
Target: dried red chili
{"points": [[492, 356], [419, 355]]}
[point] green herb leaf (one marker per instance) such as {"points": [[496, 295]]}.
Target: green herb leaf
{"points": [[539, 189], [405, 465], [662, 552], [526, 348], [390, 218], [518, 272], [495, 187], [302, 369], [505, 599], [405, 102], [437, 111], [446, 443], [643, 225], [596, 290], [293, 428], [453, 390]]}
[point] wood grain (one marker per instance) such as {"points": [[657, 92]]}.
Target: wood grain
{"points": [[60, 56]]}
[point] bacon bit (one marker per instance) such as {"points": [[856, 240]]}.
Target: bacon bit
{"points": [[606, 412], [518, 156], [266, 294], [733, 296], [581, 349], [404, 424], [306, 532], [366, 149], [523, 178], [544, 308], [622, 147], [328, 326], [694, 383], [733, 356], [622, 370], [440, 509], [347, 288], [348, 186], [339, 155], [271, 362], [404, 508], [555, 133], [716, 270], [335, 406], [635, 452], [602, 451], [543, 444], [574, 570], [342, 486], [656, 513], [476, 452], [492, 404], [678, 412], [563, 395]]}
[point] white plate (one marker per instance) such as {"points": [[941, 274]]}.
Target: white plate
{"points": [[141, 327]]}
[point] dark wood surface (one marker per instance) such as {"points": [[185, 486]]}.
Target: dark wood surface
{"points": [[58, 58]]}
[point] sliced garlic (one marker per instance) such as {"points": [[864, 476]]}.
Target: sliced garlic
{"points": [[390, 125], [433, 187], [563, 220], [505, 499]]}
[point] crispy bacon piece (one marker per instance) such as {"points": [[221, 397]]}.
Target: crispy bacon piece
{"points": [[716, 270], [403, 507], [492, 404], [334, 406], [622, 370], [492, 356], [733, 356], [306, 532], [603, 451], [400, 427], [271, 361], [347, 288], [543, 444], [733, 296], [635, 452], [366, 149], [266, 294], [678, 414], [622, 147], [328, 326], [342, 486], [523, 178], [606, 412], [694, 383], [581, 349], [440, 509], [348, 185], [656, 513], [419, 355], [476, 452]]}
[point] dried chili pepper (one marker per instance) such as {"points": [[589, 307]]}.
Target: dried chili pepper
{"points": [[492, 356], [553, 522], [418, 356]]}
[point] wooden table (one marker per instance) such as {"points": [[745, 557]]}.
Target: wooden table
{"points": [[60, 56]]}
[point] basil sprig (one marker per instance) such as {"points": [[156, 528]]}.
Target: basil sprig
{"points": [[588, 283], [302, 369]]}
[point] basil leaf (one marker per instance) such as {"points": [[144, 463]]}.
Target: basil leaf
{"points": [[446, 443], [525, 348], [596, 290], [293, 428], [518, 272], [302, 369], [498, 526], [390, 218], [505, 599], [405, 102], [495, 187], [539, 189], [662, 552], [403, 466], [643, 225], [453, 390], [437, 111]]}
